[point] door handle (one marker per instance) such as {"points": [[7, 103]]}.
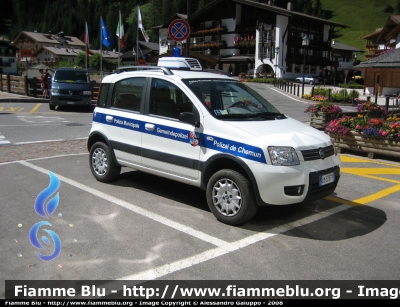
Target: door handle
{"points": [[109, 118], [149, 127]]}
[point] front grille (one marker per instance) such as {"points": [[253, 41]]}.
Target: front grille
{"points": [[67, 92], [317, 192], [313, 154]]}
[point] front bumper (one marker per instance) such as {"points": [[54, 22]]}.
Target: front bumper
{"points": [[279, 185], [60, 100]]}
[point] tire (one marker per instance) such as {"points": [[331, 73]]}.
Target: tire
{"points": [[311, 83], [101, 163], [52, 106], [239, 205]]}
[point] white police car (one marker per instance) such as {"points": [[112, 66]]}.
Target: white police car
{"points": [[213, 132]]}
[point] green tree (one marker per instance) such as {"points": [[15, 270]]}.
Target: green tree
{"points": [[107, 65], [65, 64], [80, 59]]}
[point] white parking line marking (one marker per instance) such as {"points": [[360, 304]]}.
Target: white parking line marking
{"points": [[39, 119], [222, 248], [230, 247], [3, 140], [35, 142], [153, 216]]}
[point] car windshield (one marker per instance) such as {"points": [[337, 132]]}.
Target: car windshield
{"points": [[232, 100], [71, 76]]}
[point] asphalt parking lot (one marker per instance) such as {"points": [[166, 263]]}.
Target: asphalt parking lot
{"points": [[143, 227]]}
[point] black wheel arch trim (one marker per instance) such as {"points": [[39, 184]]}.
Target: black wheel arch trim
{"points": [[102, 136], [206, 164]]}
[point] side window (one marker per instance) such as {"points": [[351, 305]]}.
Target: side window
{"points": [[168, 100], [102, 99], [128, 94]]}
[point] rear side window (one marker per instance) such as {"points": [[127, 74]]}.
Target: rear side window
{"points": [[168, 100], [127, 94], [103, 92]]}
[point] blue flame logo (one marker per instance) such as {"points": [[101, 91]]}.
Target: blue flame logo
{"points": [[45, 211]]}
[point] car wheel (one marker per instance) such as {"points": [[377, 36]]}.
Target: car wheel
{"points": [[52, 106], [103, 168], [230, 197], [311, 83]]}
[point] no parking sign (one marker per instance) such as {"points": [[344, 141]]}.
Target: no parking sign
{"points": [[178, 30]]}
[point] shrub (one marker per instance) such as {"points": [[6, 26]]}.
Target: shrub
{"points": [[367, 127], [371, 106], [323, 106]]}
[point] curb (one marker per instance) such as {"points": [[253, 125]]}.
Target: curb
{"points": [[30, 100], [23, 100]]}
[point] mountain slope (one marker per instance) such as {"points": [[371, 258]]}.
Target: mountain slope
{"points": [[362, 16]]}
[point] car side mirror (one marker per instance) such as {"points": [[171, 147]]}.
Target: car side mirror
{"points": [[190, 118]]}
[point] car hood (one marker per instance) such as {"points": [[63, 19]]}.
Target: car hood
{"points": [[285, 132]]}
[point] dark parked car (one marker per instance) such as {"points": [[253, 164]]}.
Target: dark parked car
{"points": [[70, 86]]}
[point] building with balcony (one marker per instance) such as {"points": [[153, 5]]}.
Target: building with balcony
{"points": [[383, 39], [48, 49], [244, 35], [382, 69], [7, 57]]}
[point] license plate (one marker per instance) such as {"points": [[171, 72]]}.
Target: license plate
{"points": [[325, 179], [70, 102]]}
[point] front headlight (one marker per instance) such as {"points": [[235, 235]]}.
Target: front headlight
{"points": [[55, 91], [87, 92], [283, 156]]}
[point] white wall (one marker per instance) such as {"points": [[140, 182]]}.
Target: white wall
{"points": [[12, 69], [398, 41]]}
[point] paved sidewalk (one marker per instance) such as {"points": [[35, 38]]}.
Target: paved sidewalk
{"points": [[28, 151], [381, 99], [11, 97]]}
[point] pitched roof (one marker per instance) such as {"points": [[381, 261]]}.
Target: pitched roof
{"points": [[271, 8], [339, 46], [263, 6], [62, 51], [108, 54], [50, 38], [389, 59]]}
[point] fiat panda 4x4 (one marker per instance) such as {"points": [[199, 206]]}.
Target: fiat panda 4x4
{"points": [[213, 132]]}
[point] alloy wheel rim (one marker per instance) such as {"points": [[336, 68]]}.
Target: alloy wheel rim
{"points": [[227, 197], [99, 162]]}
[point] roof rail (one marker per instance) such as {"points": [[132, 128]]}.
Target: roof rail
{"points": [[137, 68]]}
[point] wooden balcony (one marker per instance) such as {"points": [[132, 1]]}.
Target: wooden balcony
{"points": [[245, 44], [208, 45], [209, 31]]}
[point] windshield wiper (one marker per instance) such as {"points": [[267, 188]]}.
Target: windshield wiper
{"points": [[252, 116], [268, 115]]}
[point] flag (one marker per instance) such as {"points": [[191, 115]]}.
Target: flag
{"points": [[106, 38], [120, 31], [86, 39], [140, 25]]}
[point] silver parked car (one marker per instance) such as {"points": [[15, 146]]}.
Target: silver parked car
{"points": [[308, 79]]}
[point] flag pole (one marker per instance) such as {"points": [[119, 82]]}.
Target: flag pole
{"points": [[137, 39], [119, 36], [101, 52], [87, 44]]}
